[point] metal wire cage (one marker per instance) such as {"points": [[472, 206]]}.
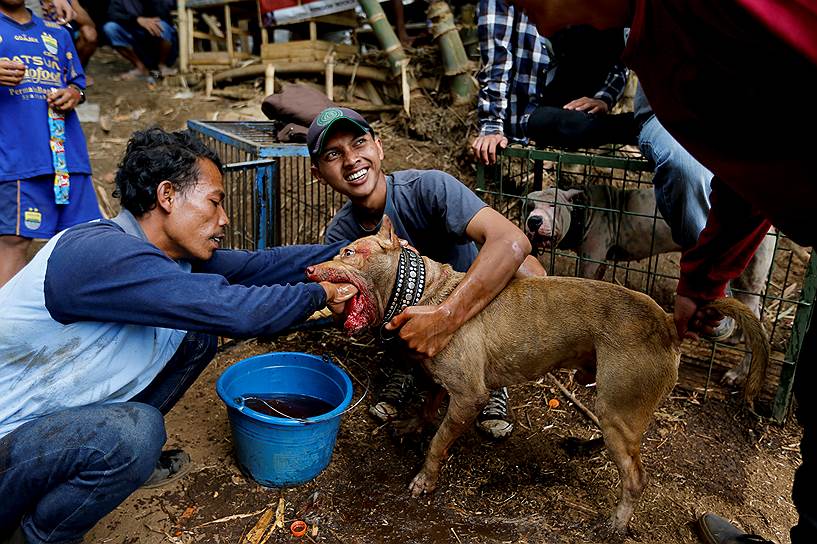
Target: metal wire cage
{"points": [[271, 197], [786, 294]]}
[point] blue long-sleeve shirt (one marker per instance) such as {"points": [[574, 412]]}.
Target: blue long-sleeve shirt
{"points": [[99, 311]]}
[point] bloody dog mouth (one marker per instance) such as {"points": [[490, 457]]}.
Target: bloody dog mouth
{"points": [[361, 309]]}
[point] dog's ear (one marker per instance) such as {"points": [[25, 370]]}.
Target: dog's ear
{"points": [[388, 239], [569, 194]]}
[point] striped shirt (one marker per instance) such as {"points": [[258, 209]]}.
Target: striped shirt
{"points": [[517, 65]]}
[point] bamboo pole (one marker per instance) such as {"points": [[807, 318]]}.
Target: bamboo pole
{"points": [[317, 67], [330, 77], [184, 52], [455, 61], [269, 79], [208, 84], [385, 34]]}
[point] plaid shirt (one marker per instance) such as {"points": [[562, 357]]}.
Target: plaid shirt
{"points": [[517, 64]]}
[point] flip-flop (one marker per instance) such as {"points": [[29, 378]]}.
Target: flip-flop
{"points": [[131, 75], [172, 465]]}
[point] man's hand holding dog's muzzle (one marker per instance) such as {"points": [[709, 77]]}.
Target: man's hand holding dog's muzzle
{"points": [[337, 294]]}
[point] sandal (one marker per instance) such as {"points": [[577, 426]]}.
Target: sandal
{"points": [[131, 75], [172, 465]]}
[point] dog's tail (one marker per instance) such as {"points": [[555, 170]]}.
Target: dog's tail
{"points": [[756, 339]]}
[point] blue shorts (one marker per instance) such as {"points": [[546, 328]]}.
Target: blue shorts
{"points": [[27, 206]]}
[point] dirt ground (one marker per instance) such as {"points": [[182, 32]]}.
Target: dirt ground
{"points": [[700, 454]]}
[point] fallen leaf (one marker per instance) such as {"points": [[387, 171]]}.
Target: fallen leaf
{"points": [[188, 513], [105, 122], [279, 514]]}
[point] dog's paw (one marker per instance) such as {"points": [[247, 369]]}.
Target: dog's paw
{"points": [[422, 483], [603, 530], [737, 375]]}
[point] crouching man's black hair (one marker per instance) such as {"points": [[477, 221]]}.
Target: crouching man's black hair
{"points": [[153, 156]]}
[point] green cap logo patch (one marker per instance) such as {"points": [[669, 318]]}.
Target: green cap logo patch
{"points": [[329, 115]]}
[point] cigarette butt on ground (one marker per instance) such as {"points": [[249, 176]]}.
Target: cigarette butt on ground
{"points": [[320, 314]]}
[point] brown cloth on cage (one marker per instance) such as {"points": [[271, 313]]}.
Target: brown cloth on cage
{"points": [[296, 103], [292, 133]]}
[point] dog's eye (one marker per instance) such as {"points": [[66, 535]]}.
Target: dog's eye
{"points": [[347, 252]]}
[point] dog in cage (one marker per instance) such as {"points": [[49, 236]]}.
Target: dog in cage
{"points": [[604, 224]]}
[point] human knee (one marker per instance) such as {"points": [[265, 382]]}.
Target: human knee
{"points": [[139, 433], [168, 31], [117, 35]]}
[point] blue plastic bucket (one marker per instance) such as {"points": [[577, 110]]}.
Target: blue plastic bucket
{"points": [[278, 451]]}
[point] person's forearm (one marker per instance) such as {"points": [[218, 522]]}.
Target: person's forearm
{"points": [[82, 18], [732, 234], [530, 267], [495, 265]]}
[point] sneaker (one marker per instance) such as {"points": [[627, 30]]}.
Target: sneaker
{"points": [[717, 530], [172, 465], [496, 419], [398, 390], [724, 330]]}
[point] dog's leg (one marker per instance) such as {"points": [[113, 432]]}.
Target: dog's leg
{"points": [[593, 254], [736, 376], [625, 403], [461, 413], [428, 413], [624, 443]]}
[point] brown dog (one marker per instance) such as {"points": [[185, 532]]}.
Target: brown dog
{"points": [[606, 232], [621, 336]]}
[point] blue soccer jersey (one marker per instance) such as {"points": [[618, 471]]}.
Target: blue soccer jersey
{"points": [[51, 62]]}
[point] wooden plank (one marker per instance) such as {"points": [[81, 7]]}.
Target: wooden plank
{"points": [[306, 49], [344, 18], [228, 26], [210, 57], [283, 67], [694, 370], [205, 36]]}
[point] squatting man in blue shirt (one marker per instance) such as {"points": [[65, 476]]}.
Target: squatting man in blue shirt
{"points": [[113, 320]]}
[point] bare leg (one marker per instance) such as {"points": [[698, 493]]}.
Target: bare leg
{"points": [[12, 256], [88, 39], [400, 23], [165, 49], [85, 49], [130, 55]]}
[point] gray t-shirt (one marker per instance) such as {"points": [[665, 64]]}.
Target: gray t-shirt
{"points": [[429, 208]]}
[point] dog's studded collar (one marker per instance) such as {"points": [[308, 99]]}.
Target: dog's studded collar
{"points": [[408, 286]]}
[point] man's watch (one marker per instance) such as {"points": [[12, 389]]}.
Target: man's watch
{"points": [[80, 91]]}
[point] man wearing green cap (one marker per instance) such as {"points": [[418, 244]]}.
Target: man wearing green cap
{"points": [[440, 217]]}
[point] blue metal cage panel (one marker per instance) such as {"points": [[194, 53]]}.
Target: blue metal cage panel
{"points": [[272, 198]]}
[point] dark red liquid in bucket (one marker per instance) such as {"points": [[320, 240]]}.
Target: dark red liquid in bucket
{"points": [[288, 405]]}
